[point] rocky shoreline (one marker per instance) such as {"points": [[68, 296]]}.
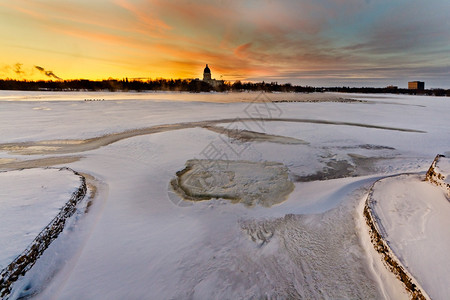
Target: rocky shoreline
{"points": [[390, 259], [28, 257], [436, 177]]}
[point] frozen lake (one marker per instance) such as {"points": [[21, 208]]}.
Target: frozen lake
{"points": [[140, 239]]}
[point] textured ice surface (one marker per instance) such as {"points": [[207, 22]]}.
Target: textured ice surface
{"points": [[250, 183]]}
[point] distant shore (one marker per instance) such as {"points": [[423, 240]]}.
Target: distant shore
{"points": [[91, 97], [197, 86]]}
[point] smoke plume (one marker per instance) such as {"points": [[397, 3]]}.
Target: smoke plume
{"points": [[18, 69], [47, 73]]}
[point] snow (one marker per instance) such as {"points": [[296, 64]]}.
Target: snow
{"points": [[29, 200], [140, 240], [414, 215]]}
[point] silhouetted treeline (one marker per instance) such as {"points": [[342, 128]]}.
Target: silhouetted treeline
{"points": [[388, 90], [186, 85], [271, 87], [191, 85]]}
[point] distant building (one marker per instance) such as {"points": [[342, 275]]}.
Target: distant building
{"points": [[206, 73], [207, 78], [416, 85]]}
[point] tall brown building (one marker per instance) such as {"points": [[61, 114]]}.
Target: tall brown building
{"points": [[416, 85]]}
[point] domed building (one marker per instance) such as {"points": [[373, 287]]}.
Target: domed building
{"points": [[207, 78], [206, 74]]}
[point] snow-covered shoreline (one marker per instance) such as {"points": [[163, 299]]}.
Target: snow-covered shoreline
{"points": [[391, 261], [25, 261], [405, 214], [439, 173]]}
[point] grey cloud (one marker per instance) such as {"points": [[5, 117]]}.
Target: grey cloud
{"points": [[47, 73], [416, 28]]}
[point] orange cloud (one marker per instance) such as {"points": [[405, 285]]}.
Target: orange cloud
{"points": [[148, 22], [239, 39]]}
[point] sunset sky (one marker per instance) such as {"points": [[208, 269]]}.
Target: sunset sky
{"points": [[308, 42]]}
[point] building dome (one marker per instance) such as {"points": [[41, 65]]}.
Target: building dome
{"points": [[207, 74]]}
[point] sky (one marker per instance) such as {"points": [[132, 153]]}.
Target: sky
{"points": [[306, 42]]}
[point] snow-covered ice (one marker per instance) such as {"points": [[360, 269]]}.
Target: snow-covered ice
{"points": [[250, 183], [140, 241]]}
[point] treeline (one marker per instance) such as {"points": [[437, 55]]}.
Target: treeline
{"points": [[185, 85], [103, 85], [193, 85], [388, 90]]}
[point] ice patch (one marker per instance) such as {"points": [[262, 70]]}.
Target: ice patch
{"points": [[250, 183]]}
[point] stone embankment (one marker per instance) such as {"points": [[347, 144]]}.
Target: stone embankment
{"points": [[391, 261], [439, 173], [28, 257]]}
